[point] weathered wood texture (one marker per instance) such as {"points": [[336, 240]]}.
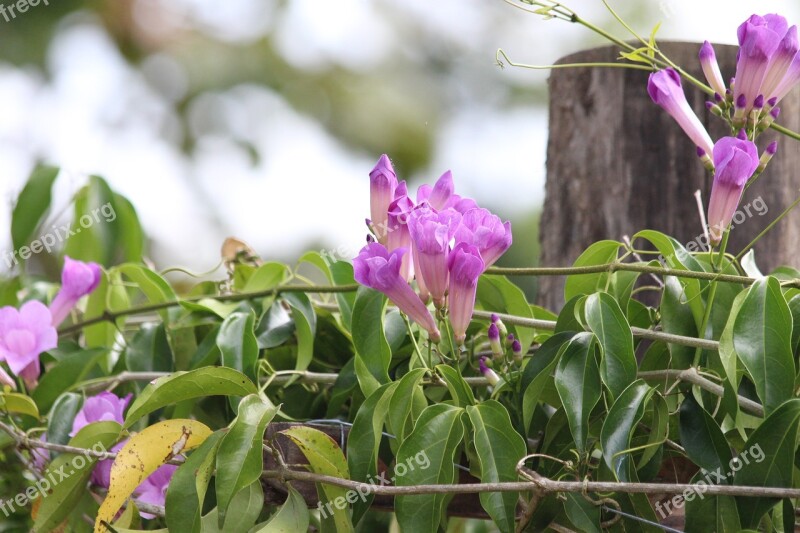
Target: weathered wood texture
{"points": [[617, 164]]}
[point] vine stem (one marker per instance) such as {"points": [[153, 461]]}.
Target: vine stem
{"points": [[111, 316], [537, 483]]}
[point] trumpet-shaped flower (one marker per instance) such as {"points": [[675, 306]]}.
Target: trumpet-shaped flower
{"points": [[490, 375], [104, 407], [399, 236], [376, 268], [779, 63], [24, 335], [735, 161], [153, 490], [759, 39], [708, 61], [465, 266], [664, 88], [481, 228], [431, 233], [440, 195], [382, 186], [77, 280]]}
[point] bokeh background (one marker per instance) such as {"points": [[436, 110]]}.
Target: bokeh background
{"points": [[262, 118]]}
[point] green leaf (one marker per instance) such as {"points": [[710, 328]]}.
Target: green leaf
{"points": [[338, 273], [110, 295], [240, 457], [709, 513], [292, 517], [105, 227], [437, 435], [767, 460], [401, 401], [794, 307], [373, 355], [675, 256], [238, 345], [14, 402], [762, 337], [149, 350], [275, 327], [618, 428], [32, 205], [182, 386], [499, 449], [267, 276], [60, 502], [325, 457], [577, 380], [599, 253], [538, 373], [702, 438], [364, 439], [497, 293], [61, 416], [62, 376], [677, 318], [244, 509], [187, 488], [305, 321], [608, 323], [154, 287], [582, 513], [460, 391]]}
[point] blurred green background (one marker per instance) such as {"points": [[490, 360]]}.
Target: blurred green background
{"points": [[261, 119]]}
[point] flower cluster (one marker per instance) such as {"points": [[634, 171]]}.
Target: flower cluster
{"points": [[441, 240], [29, 331], [767, 67], [107, 406]]}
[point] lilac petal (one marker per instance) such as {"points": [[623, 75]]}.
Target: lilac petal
{"points": [[664, 88], [721, 208]]}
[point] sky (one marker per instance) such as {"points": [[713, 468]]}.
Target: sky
{"points": [[91, 112]]}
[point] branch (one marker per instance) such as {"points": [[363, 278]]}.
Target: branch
{"points": [[691, 375], [630, 267], [112, 316], [537, 483], [550, 325]]}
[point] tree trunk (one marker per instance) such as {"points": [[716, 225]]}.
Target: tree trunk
{"points": [[617, 164]]}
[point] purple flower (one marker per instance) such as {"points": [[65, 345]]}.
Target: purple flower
{"points": [[735, 161], [780, 63], [487, 372], [375, 267], [790, 79], [24, 335], [465, 266], [105, 407], [101, 475], [759, 38], [664, 88], [708, 61], [382, 185], [439, 197], [494, 340], [153, 490], [399, 236], [77, 280], [431, 233], [481, 228]]}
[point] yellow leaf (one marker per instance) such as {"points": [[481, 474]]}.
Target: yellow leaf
{"points": [[141, 456]]}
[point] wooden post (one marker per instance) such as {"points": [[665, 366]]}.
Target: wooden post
{"points": [[617, 164]]}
